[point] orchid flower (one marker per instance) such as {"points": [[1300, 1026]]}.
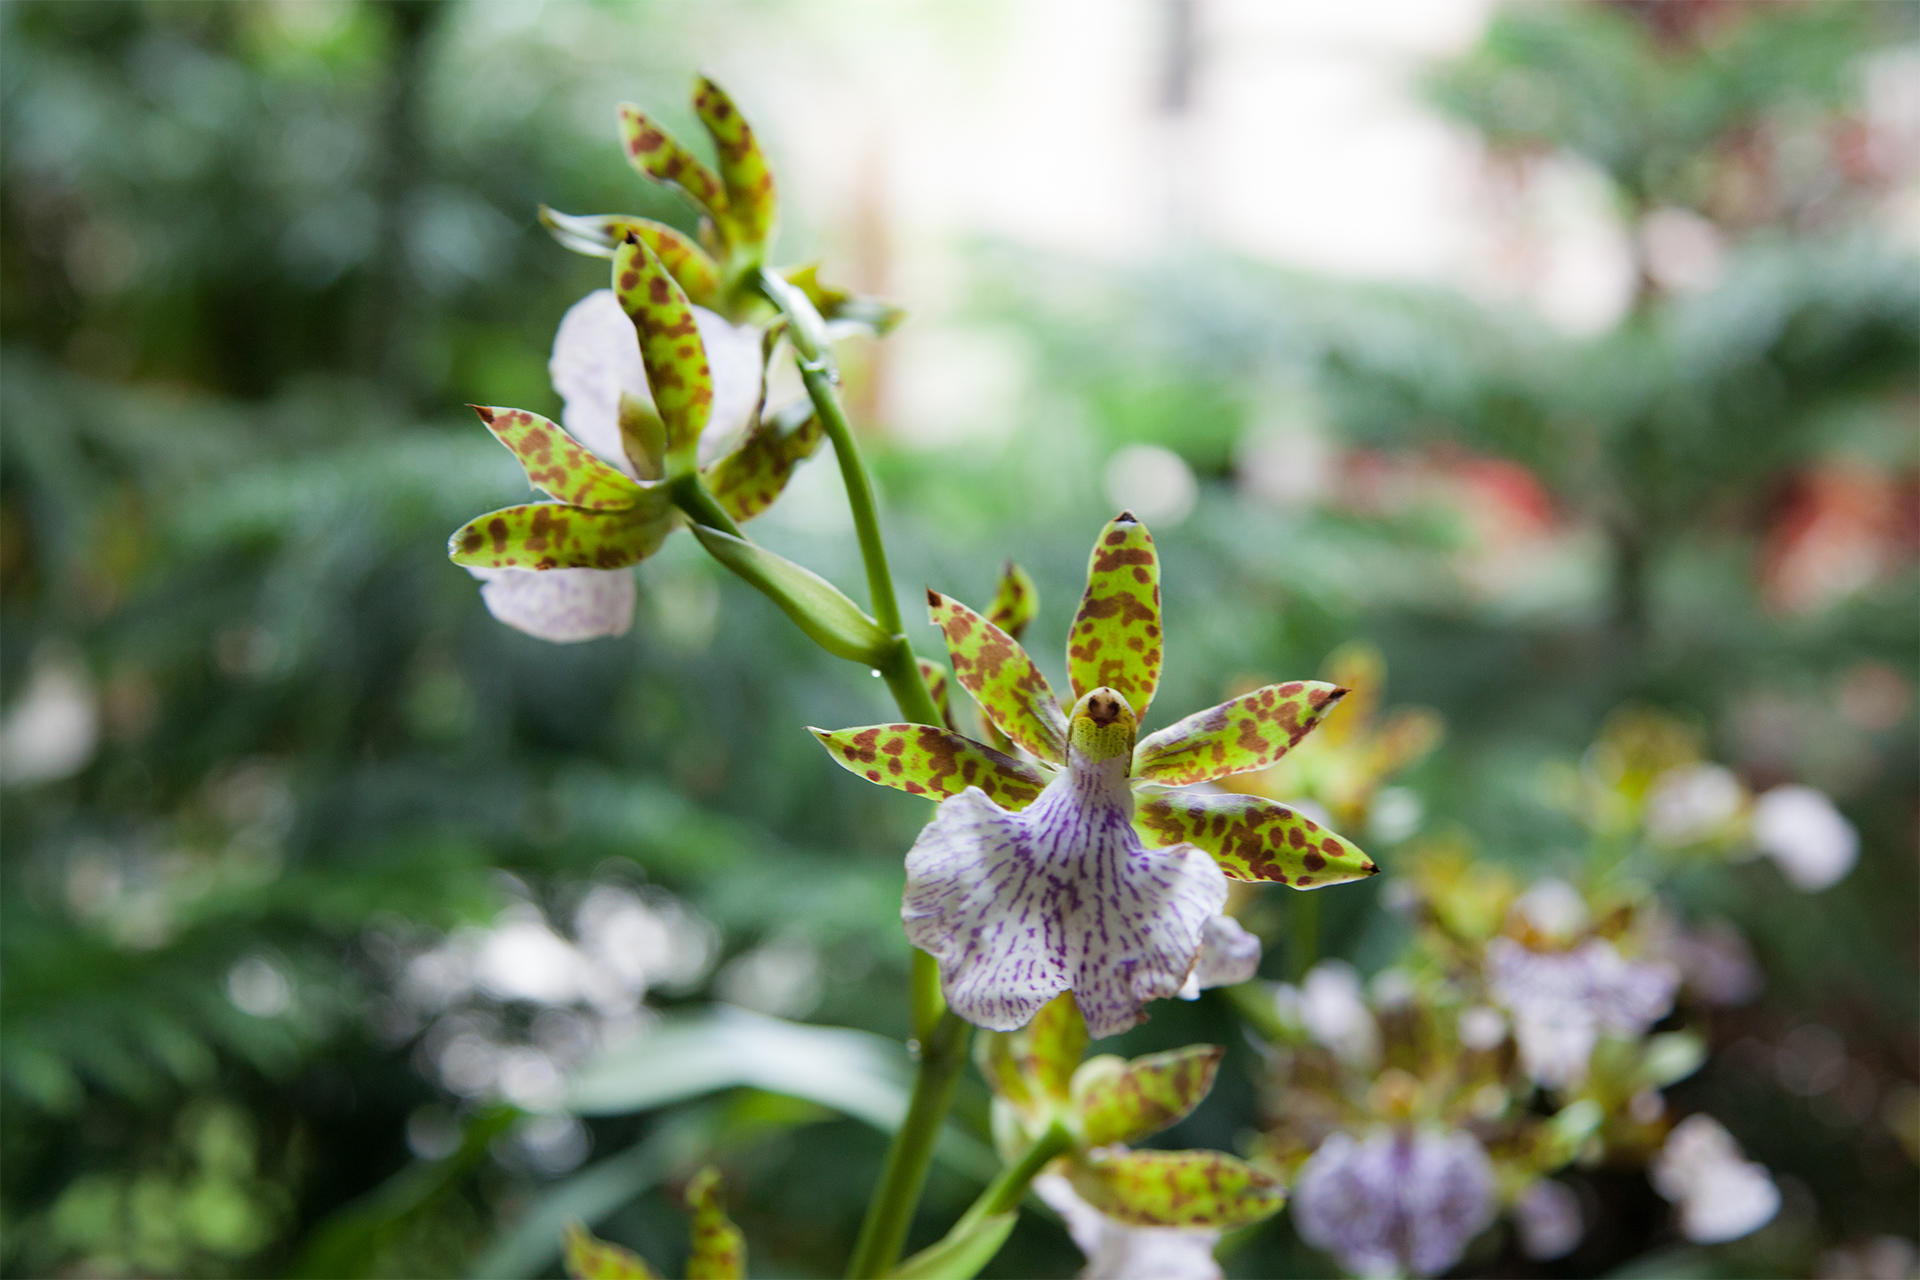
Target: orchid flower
{"points": [[1401, 1202], [1079, 865], [1563, 1001], [653, 388]]}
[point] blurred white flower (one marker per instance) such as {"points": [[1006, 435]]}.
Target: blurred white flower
{"points": [[1396, 1204], [53, 726], [1561, 1001], [1812, 843], [1692, 803], [1553, 908], [1549, 1218], [1154, 483], [1116, 1251], [1720, 1194], [1482, 1027], [1334, 1013]]}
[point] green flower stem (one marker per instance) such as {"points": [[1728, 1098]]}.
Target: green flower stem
{"points": [[693, 498], [1007, 1190], [884, 1231]]}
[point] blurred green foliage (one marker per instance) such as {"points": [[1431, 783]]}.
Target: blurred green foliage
{"points": [[256, 256]]}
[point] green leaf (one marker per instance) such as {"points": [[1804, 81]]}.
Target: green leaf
{"points": [[719, 1250], [598, 235], [1015, 600], [748, 480], [1175, 1188], [652, 151], [751, 203], [670, 348], [1249, 732], [1120, 1101], [1115, 638], [1251, 837], [834, 622], [922, 760], [1002, 678], [558, 464], [551, 535], [587, 1257], [962, 1252]]}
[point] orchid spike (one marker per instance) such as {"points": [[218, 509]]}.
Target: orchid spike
{"points": [[1065, 867]]}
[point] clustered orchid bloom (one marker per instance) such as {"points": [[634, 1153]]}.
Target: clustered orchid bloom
{"points": [[1078, 865]]}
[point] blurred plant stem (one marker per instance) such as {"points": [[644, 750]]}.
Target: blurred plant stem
{"points": [[942, 1036]]}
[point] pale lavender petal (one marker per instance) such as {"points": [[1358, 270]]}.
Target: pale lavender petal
{"points": [[562, 605], [1548, 1215], [1228, 955], [1117, 1251], [1018, 907], [596, 358], [1561, 1001], [1397, 1203]]}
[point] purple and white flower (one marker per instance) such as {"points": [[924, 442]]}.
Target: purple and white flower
{"points": [[1117, 1251], [1563, 1001], [1402, 1202]]}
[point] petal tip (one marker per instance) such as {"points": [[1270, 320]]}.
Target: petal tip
{"points": [[1126, 517]]}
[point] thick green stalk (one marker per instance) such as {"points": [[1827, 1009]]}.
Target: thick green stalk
{"points": [[1007, 1190], [884, 1231], [692, 497]]}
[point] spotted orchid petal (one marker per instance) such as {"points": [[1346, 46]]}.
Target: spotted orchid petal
{"points": [[1115, 637], [746, 481], [1116, 1251], [549, 535], [719, 1249], [1019, 906], [1175, 1188], [1251, 731], [750, 204], [564, 606], [846, 313], [670, 347], [652, 151], [557, 463], [922, 760], [1015, 600], [1251, 837], [598, 235], [934, 676], [1002, 679], [1121, 1101], [1229, 955], [585, 1256]]}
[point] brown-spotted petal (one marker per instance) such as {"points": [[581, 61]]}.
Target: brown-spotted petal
{"points": [[1115, 637], [1175, 1188], [1002, 679], [1015, 600], [671, 348], [653, 151], [922, 760], [746, 481], [551, 535], [558, 464], [743, 169], [598, 235], [1251, 837], [1248, 732]]}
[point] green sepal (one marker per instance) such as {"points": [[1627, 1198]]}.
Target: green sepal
{"points": [[1121, 1101], [1669, 1058], [1115, 637], [751, 203], [587, 1257], [837, 306], [1015, 600], [1563, 1137], [719, 1249], [1251, 837], [670, 348], [1249, 732], [962, 1252], [552, 535], [1050, 1047], [1175, 1188], [1002, 678], [747, 481], [558, 464], [653, 151], [834, 622], [923, 760], [598, 235]]}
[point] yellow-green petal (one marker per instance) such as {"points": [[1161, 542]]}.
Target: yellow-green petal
{"points": [[1115, 637], [1175, 1188], [1015, 600], [934, 676], [747, 481], [670, 347], [1121, 1101], [598, 235], [558, 464], [551, 535], [751, 204], [652, 151], [1050, 1046], [1248, 732], [922, 760], [587, 1257], [1251, 837], [719, 1249], [1002, 679]]}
